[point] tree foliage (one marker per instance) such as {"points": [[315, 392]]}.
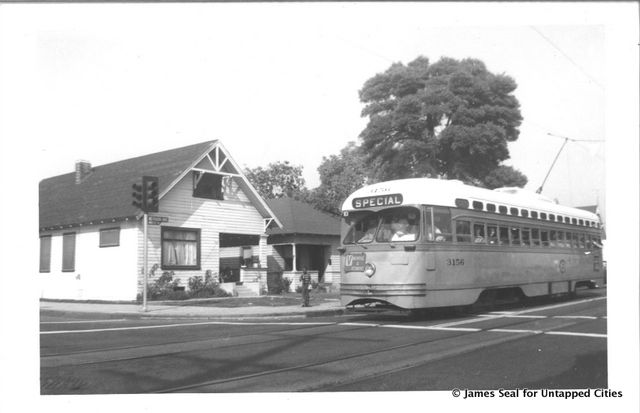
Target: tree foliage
{"points": [[277, 180], [340, 175], [504, 176], [450, 119]]}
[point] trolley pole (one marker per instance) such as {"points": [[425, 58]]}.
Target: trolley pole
{"points": [[144, 263]]}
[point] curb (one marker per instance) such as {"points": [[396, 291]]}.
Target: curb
{"points": [[141, 315]]}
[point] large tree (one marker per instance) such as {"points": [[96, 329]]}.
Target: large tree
{"points": [[450, 119], [277, 180], [340, 175]]}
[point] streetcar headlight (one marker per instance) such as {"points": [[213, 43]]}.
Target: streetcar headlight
{"points": [[369, 269]]}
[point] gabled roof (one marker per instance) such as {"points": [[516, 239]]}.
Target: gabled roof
{"points": [[301, 218], [105, 193]]}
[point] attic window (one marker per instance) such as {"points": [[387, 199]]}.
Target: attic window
{"points": [[207, 186]]}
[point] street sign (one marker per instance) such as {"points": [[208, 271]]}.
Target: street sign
{"points": [[157, 220]]}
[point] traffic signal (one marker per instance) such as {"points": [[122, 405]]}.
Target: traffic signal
{"points": [[150, 194], [137, 196]]}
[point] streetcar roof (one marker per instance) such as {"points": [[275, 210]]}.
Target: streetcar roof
{"points": [[442, 192]]}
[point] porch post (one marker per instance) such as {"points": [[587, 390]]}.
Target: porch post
{"points": [[295, 265], [263, 251]]}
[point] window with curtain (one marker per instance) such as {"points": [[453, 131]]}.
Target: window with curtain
{"points": [[45, 253], [180, 248], [69, 252]]}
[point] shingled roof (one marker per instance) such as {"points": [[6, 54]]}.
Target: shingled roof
{"points": [[105, 193], [301, 218]]}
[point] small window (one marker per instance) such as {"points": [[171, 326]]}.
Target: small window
{"points": [[526, 237], [479, 234], [504, 235], [567, 220], [543, 215], [491, 207], [515, 236], [45, 253], [524, 213], [581, 222], [534, 214], [513, 211], [574, 221], [502, 209], [69, 252], [492, 234], [552, 217], [544, 238], [208, 186], [109, 237], [463, 231], [462, 203], [477, 205], [535, 237]]}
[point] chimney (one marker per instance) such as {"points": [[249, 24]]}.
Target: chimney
{"points": [[83, 169]]}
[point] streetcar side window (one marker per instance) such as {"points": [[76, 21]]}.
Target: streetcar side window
{"points": [[570, 242], [535, 237], [463, 231], [524, 212], [534, 214], [442, 224], [553, 238], [561, 241], [502, 209], [478, 233], [477, 205], [559, 218], [544, 238], [504, 236], [492, 234], [552, 217], [589, 244], [526, 240], [515, 236], [543, 215], [581, 241], [491, 207], [513, 211]]}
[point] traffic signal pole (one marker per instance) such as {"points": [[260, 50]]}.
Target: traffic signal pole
{"points": [[144, 263]]}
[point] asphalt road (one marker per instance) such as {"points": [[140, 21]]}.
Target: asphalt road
{"points": [[549, 343]]}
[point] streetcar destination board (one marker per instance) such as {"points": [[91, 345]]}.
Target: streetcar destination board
{"points": [[377, 201], [354, 261]]}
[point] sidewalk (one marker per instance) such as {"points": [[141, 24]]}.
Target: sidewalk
{"points": [[108, 310]]}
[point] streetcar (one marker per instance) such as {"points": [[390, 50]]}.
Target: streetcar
{"points": [[421, 243]]}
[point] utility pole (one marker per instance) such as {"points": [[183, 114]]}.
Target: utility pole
{"points": [[145, 262]]}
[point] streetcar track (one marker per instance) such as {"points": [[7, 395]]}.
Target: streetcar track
{"points": [[358, 355]]}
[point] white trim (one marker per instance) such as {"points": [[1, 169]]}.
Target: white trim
{"points": [[213, 165], [206, 171]]}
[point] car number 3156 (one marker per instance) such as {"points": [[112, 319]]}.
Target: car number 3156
{"points": [[455, 261]]}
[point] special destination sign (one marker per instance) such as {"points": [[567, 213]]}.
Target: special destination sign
{"points": [[377, 201]]}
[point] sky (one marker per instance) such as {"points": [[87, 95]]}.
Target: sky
{"points": [[280, 81], [268, 80]]}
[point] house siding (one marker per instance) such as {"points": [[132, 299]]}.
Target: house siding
{"points": [[235, 214], [106, 273]]}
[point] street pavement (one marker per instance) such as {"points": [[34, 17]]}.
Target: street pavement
{"points": [[548, 343]]}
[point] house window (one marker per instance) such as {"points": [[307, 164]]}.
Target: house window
{"points": [[180, 248], [208, 186], [109, 237], [69, 252], [45, 253]]}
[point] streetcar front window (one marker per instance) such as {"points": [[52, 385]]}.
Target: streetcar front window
{"points": [[362, 230], [399, 224]]}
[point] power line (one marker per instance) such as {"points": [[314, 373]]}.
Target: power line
{"points": [[576, 140], [567, 57]]}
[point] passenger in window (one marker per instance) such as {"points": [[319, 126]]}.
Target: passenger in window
{"points": [[402, 231], [493, 237], [479, 236]]}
